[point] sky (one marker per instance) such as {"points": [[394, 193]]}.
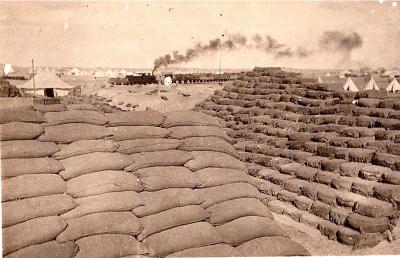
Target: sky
{"points": [[133, 34]]}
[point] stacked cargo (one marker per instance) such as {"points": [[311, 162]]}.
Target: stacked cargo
{"points": [[329, 158], [81, 183]]}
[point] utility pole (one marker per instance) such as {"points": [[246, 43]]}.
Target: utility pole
{"points": [[33, 78]]}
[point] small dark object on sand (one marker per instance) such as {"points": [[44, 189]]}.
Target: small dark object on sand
{"points": [[164, 98]]}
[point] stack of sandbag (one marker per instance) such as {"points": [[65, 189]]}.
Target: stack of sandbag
{"points": [[88, 184]]}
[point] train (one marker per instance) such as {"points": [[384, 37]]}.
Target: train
{"points": [[147, 78]]}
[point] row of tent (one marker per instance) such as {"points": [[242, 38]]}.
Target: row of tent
{"points": [[393, 86]]}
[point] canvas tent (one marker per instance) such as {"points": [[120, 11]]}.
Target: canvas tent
{"points": [[393, 86], [371, 85], [46, 84], [350, 86]]}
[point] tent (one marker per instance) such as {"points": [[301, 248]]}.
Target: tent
{"points": [[393, 86], [371, 85], [350, 86], [46, 84]]}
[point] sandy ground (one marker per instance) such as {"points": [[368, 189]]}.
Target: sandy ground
{"points": [[157, 97], [319, 245]]}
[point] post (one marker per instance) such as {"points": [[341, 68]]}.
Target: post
{"points": [[33, 78]]}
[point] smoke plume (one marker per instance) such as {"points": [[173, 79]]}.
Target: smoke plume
{"points": [[333, 41]]}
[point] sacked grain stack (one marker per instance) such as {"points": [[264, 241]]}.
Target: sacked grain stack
{"points": [[325, 178]]}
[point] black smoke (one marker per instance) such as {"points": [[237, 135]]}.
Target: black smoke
{"points": [[340, 41]]}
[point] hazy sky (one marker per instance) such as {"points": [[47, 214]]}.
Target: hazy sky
{"points": [[134, 34]]}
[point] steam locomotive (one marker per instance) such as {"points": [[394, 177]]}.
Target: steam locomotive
{"points": [[143, 78]]}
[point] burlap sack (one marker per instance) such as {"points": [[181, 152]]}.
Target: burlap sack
{"points": [[75, 116], [27, 115], [138, 118], [21, 235], [18, 167], [50, 108], [81, 106], [218, 250], [107, 202], [171, 218], [188, 118], [272, 246], [122, 133], [159, 158], [101, 223], [181, 238], [230, 210], [20, 131], [155, 202], [27, 149], [218, 194], [67, 133], [26, 186], [148, 145], [221, 176], [93, 162], [103, 182], [206, 159], [158, 178], [208, 144], [51, 249], [84, 147], [109, 245], [182, 132], [22, 210]]}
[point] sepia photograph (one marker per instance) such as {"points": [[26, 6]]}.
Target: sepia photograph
{"points": [[199, 128]]}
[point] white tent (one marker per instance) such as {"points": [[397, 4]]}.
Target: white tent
{"points": [[167, 80], [371, 85], [43, 82], [350, 86], [7, 69], [393, 86], [320, 80]]}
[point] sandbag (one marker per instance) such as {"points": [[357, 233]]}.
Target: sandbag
{"points": [[21, 235], [26, 186], [181, 238], [27, 115], [84, 147], [245, 229], [294, 185], [20, 131], [171, 218], [221, 176], [27, 149], [103, 182], [373, 173], [121, 133], [363, 187], [158, 178], [328, 229], [218, 194], [230, 210], [272, 246], [218, 250], [372, 207], [81, 106], [17, 167], [387, 192], [67, 133], [107, 202], [138, 118], [155, 202], [205, 159], [101, 223], [75, 116], [320, 209], [182, 132], [270, 188], [347, 236], [365, 224], [93, 162], [338, 215], [311, 219], [22, 210], [49, 108], [109, 245], [51, 249], [328, 196], [207, 144], [348, 199], [188, 118], [148, 145], [303, 203], [158, 158]]}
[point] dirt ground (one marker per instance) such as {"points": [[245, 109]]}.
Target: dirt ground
{"points": [[319, 245], [158, 97]]}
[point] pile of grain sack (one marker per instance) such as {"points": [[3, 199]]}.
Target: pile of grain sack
{"points": [[327, 160], [80, 183]]}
